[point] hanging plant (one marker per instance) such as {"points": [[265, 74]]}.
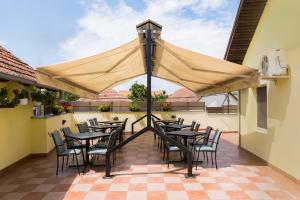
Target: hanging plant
{"points": [[23, 97], [36, 96], [4, 97]]}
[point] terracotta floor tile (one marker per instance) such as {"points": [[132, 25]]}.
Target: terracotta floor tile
{"points": [[75, 195], [197, 195], [34, 196], [174, 186], [137, 187], [116, 195], [157, 195], [100, 187]]}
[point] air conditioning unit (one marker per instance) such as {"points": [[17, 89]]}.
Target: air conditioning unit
{"points": [[273, 63]]}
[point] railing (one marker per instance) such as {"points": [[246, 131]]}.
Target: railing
{"points": [[85, 106]]}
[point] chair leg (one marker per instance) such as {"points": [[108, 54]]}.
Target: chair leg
{"points": [[212, 160], [197, 159], [164, 154], [204, 158], [206, 154], [168, 161], [57, 164], [77, 164], [83, 157], [73, 159], [216, 160], [67, 161], [63, 162]]}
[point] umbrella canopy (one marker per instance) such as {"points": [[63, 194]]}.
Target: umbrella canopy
{"points": [[204, 75]]}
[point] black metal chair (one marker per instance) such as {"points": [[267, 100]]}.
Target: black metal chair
{"points": [[181, 121], [168, 148], [102, 151], [122, 135], [193, 125], [83, 127], [196, 128], [211, 147], [72, 143], [62, 151]]}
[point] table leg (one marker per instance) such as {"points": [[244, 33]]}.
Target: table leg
{"points": [[87, 158]]}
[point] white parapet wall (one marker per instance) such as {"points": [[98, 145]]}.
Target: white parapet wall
{"points": [[226, 122]]}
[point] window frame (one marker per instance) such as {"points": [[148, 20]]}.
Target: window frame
{"points": [[258, 128]]}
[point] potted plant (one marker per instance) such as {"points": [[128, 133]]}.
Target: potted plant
{"points": [[116, 118], [36, 96], [165, 106], [134, 107], [104, 108], [23, 97], [3, 97], [57, 109], [68, 107]]}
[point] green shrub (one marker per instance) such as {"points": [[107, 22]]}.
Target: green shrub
{"points": [[134, 107], [104, 108]]}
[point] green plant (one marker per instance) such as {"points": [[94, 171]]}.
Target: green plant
{"points": [[165, 106], [23, 94], [48, 97], [4, 97], [57, 109], [134, 107], [67, 96], [104, 108], [115, 118], [160, 97], [36, 95], [138, 92]]}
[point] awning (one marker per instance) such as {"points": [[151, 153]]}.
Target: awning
{"points": [[202, 74]]}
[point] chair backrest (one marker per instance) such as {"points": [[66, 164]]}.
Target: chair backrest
{"points": [[95, 120], [92, 122], [207, 134], [216, 138], [196, 128], [58, 142], [181, 121], [67, 131], [112, 138], [124, 124], [159, 127], [193, 125], [83, 127]]}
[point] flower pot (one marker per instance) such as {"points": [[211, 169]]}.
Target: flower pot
{"points": [[23, 102], [37, 103]]}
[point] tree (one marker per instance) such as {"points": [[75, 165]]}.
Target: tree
{"points": [[67, 96], [138, 92]]}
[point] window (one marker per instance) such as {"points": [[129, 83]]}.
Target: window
{"points": [[262, 115]]}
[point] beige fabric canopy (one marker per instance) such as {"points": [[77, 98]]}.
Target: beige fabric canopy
{"points": [[202, 74]]}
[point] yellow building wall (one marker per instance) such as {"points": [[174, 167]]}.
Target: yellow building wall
{"points": [[15, 141], [279, 145], [41, 142]]}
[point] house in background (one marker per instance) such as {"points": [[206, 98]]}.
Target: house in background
{"points": [[269, 125]]}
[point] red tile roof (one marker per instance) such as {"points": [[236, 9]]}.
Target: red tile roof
{"points": [[11, 65], [183, 95], [109, 95]]}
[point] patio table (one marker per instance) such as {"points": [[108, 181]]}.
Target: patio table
{"points": [[112, 122], [185, 134], [176, 126], [87, 137], [103, 127], [167, 121]]}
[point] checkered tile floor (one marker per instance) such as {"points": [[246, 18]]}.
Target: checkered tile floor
{"points": [[140, 174]]}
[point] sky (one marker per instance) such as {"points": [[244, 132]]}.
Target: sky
{"points": [[52, 31]]}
